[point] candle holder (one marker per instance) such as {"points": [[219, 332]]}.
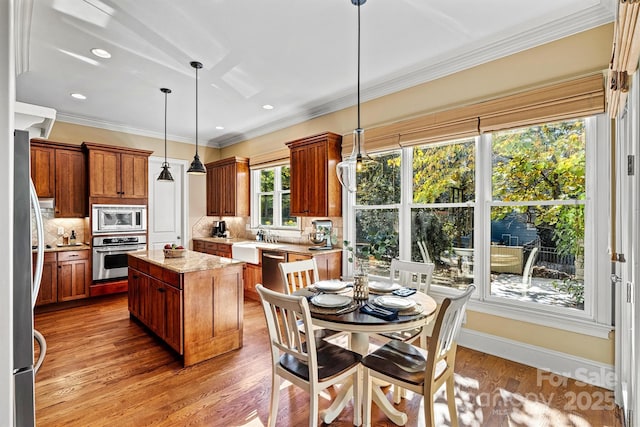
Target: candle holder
{"points": [[361, 272]]}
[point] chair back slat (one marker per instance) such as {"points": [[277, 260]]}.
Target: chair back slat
{"points": [[417, 275], [298, 274]]}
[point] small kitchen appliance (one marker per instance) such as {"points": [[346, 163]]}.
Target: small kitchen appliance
{"points": [[219, 229], [321, 234]]}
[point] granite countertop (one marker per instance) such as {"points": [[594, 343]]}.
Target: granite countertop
{"points": [[192, 261], [283, 246], [63, 248]]}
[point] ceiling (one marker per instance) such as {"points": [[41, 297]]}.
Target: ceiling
{"points": [[297, 55]]}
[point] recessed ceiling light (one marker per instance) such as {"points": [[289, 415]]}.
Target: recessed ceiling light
{"points": [[219, 127], [101, 53], [78, 96], [267, 107]]}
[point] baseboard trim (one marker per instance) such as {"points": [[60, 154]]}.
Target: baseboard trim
{"points": [[578, 368]]}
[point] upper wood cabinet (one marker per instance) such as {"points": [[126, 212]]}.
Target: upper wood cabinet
{"points": [[228, 187], [43, 167], [117, 172], [59, 170], [315, 189]]}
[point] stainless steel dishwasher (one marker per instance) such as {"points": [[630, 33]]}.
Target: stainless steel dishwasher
{"points": [[271, 276]]}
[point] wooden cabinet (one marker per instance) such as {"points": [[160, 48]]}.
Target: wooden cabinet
{"points": [[65, 276], [59, 170], [198, 313], [212, 248], [49, 284], [228, 187], [71, 184], [74, 275], [117, 172], [315, 189], [252, 276], [43, 169]]}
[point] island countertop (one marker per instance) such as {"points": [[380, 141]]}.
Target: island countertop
{"points": [[192, 261]]}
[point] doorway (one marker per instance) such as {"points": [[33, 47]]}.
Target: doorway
{"points": [[168, 207]]}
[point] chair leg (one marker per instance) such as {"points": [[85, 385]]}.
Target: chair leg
{"points": [[451, 401], [429, 415], [313, 408], [367, 396], [275, 397], [357, 397]]}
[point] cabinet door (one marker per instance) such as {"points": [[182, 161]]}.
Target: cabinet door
{"points": [[134, 175], [299, 189], [228, 199], [71, 184], [329, 265], [49, 284], [215, 188], [74, 277], [252, 276], [156, 306], [104, 174], [173, 316], [316, 180], [43, 171], [138, 289]]}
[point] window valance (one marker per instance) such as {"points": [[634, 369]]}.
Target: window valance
{"points": [[273, 158]]}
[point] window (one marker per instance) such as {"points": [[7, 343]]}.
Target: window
{"points": [[514, 212], [538, 197], [272, 198]]}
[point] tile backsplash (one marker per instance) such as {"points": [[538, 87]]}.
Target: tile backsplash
{"points": [[51, 225]]}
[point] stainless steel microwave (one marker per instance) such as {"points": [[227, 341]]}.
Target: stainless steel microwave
{"points": [[110, 219]]}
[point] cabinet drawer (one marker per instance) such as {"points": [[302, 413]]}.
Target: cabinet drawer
{"points": [[72, 255], [170, 277]]}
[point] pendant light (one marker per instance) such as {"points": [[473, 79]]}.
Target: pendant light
{"points": [[165, 175], [196, 168], [347, 169]]}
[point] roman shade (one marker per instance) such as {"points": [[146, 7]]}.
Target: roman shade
{"points": [[574, 98]]}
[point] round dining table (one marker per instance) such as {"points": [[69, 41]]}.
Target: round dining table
{"points": [[360, 326]]}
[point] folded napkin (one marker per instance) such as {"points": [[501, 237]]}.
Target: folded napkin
{"points": [[382, 313], [404, 292]]}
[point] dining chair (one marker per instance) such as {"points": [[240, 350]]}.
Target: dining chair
{"points": [[419, 370], [297, 275], [416, 275], [313, 365]]}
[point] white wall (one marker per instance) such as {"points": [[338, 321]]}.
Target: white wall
{"points": [[7, 98]]}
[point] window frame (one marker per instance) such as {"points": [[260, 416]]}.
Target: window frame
{"points": [[277, 200], [596, 318]]}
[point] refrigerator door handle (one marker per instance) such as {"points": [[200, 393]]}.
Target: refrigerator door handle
{"points": [[37, 277]]}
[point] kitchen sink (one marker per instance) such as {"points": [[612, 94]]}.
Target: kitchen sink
{"points": [[250, 251]]}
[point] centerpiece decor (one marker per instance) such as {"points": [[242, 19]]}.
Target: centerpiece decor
{"points": [[361, 272]]}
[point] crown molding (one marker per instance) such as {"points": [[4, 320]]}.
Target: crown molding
{"points": [[101, 124]]}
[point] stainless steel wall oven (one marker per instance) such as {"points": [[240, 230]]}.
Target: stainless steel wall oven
{"points": [[110, 255]]}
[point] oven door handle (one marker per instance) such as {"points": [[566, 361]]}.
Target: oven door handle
{"points": [[133, 249]]}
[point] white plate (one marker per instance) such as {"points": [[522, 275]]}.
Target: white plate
{"points": [[330, 285], [331, 300], [383, 286], [399, 303]]}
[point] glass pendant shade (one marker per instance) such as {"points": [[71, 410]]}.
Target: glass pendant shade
{"points": [[196, 168], [347, 169], [165, 175]]}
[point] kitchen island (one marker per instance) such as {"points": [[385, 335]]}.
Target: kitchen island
{"points": [[193, 303]]}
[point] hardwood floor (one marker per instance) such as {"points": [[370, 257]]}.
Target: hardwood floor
{"points": [[104, 369]]}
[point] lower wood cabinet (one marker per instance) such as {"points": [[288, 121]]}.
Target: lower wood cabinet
{"points": [[252, 276], [158, 305], [329, 264], [65, 276]]}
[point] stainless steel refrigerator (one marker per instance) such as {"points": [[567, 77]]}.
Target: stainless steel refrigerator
{"points": [[25, 285]]}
